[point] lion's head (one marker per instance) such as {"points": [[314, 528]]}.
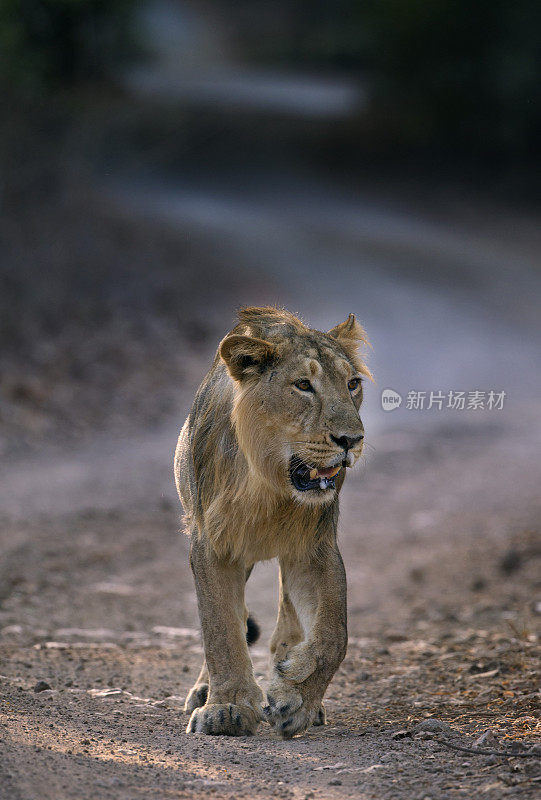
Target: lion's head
{"points": [[297, 397]]}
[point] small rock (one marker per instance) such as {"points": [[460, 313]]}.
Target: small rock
{"points": [[487, 739], [403, 734], [41, 686], [432, 725], [12, 630], [535, 749], [335, 782], [515, 746], [364, 676]]}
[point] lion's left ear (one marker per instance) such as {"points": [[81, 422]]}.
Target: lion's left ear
{"points": [[246, 355], [351, 335], [349, 330]]}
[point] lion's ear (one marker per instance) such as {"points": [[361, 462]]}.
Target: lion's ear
{"points": [[246, 355], [350, 330], [351, 335]]}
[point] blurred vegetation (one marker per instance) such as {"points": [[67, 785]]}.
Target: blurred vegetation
{"points": [[51, 43], [457, 75], [465, 75], [444, 76]]}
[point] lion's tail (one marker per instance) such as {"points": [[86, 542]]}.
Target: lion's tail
{"points": [[252, 630]]}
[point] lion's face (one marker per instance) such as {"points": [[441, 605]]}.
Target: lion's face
{"points": [[296, 412]]}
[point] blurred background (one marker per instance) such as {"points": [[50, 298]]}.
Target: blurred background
{"points": [[163, 163]]}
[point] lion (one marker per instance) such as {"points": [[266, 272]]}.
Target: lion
{"points": [[259, 465]]}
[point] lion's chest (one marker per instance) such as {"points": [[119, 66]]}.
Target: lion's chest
{"points": [[258, 531]]}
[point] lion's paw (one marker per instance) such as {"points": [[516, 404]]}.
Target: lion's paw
{"points": [[223, 719], [288, 713], [197, 697]]}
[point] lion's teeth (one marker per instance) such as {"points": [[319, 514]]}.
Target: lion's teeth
{"points": [[323, 483], [313, 474]]}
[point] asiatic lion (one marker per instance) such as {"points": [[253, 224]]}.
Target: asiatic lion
{"points": [[258, 466]]}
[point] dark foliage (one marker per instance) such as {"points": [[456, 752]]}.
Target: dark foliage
{"points": [[46, 43]]}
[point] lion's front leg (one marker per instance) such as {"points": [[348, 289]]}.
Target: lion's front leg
{"points": [[288, 631], [233, 705], [317, 590]]}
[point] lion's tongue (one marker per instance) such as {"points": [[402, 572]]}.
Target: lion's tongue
{"points": [[329, 472]]}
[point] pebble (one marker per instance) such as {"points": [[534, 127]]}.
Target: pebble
{"points": [[487, 739], [515, 746], [432, 725], [41, 686], [403, 734], [335, 782]]}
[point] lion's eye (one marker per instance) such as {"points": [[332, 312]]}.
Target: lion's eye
{"points": [[353, 383], [304, 386]]}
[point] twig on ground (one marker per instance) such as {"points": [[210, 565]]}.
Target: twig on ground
{"points": [[482, 752]]}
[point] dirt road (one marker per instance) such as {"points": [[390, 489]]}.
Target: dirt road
{"points": [[439, 530], [98, 602]]}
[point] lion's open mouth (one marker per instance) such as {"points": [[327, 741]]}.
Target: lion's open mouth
{"points": [[304, 477]]}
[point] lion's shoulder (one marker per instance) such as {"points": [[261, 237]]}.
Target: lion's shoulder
{"points": [[206, 438]]}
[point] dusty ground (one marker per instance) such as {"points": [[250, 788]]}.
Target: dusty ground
{"points": [[439, 532], [97, 601]]}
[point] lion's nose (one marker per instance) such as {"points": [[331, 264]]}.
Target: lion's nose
{"points": [[347, 442]]}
